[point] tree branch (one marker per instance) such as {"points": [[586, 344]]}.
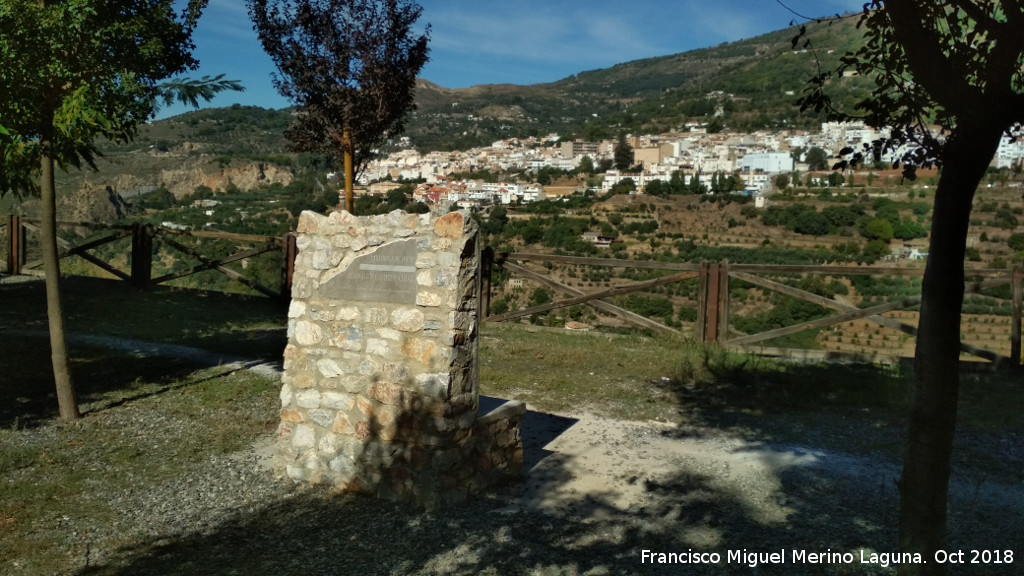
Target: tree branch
{"points": [[923, 49]]}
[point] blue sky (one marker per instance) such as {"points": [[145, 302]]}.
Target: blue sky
{"points": [[524, 42]]}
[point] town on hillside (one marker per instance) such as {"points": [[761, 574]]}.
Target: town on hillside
{"points": [[753, 162]]}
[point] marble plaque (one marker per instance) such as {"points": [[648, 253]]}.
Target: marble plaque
{"points": [[385, 275]]}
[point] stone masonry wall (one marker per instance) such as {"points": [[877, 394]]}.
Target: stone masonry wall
{"points": [[380, 391]]}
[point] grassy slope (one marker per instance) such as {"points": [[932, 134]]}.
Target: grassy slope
{"points": [[135, 434]]}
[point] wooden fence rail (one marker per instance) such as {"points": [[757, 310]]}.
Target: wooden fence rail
{"points": [[713, 298], [143, 240]]}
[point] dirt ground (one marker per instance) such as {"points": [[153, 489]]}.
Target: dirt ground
{"points": [[626, 487]]}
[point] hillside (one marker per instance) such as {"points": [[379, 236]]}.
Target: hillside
{"points": [[764, 76], [752, 83]]}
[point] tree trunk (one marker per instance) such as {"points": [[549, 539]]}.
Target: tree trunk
{"points": [[926, 462], [66, 400], [349, 176]]}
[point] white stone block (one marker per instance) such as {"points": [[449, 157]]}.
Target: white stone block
{"points": [[407, 320], [425, 278], [347, 314], [328, 445], [296, 308], [426, 260], [308, 333], [330, 368], [308, 398], [445, 259], [428, 299], [322, 418], [287, 395], [377, 346], [336, 401], [303, 438]]}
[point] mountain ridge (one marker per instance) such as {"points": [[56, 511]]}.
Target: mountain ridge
{"points": [[742, 86]]}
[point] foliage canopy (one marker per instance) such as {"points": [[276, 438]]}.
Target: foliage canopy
{"points": [[350, 66], [76, 71]]}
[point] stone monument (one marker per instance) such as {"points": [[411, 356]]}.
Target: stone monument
{"points": [[380, 391]]}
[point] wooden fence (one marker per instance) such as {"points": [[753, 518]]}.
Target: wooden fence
{"points": [[713, 299], [713, 282], [144, 239]]}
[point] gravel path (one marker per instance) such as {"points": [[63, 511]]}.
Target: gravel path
{"points": [[596, 494]]}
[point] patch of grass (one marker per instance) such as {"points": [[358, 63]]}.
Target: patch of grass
{"points": [[235, 325], [991, 401], [612, 375], [247, 326], [654, 378], [51, 472], [857, 408]]}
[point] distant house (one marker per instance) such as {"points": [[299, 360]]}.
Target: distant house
{"points": [[382, 188], [598, 239]]}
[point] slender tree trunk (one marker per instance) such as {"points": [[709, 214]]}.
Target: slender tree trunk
{"points": [[345, 140], [926, 462], [66, 400], [349, 176]]}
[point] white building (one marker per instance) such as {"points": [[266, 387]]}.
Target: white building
{"points": [[767, 163], [1008, 152]]}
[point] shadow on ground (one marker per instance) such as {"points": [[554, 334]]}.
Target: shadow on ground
{"points": [[120, 339], [314, 532], [782, 499], [27, 393]]}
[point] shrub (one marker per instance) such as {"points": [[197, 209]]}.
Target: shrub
{"points": [[499, 306], [878, 229], [811, 223]]}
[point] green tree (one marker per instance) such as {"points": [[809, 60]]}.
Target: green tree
{"points": [[499, 306], [159, 199], [817, 159], [70, 74], [586, 165], [696, 186], [874, 250], [1016, 241], [957, 64], [497, 218], [539, 296], [624, 186], [350, 66], [878, 229], [623, 153], [812, 222], [656, 188]]}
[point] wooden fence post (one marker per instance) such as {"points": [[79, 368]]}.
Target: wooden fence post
{"points": [[15, 245], [142, 254], [486, 265], [713, 301], [1015, 327], [723, 302], [291, 250], [702, 302]]}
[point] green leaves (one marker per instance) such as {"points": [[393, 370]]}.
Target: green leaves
{"points": [[188, 91], [350, 65], [76, 71]]}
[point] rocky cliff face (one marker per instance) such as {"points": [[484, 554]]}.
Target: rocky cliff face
{"points": [[107, 195], [184, 180]]}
